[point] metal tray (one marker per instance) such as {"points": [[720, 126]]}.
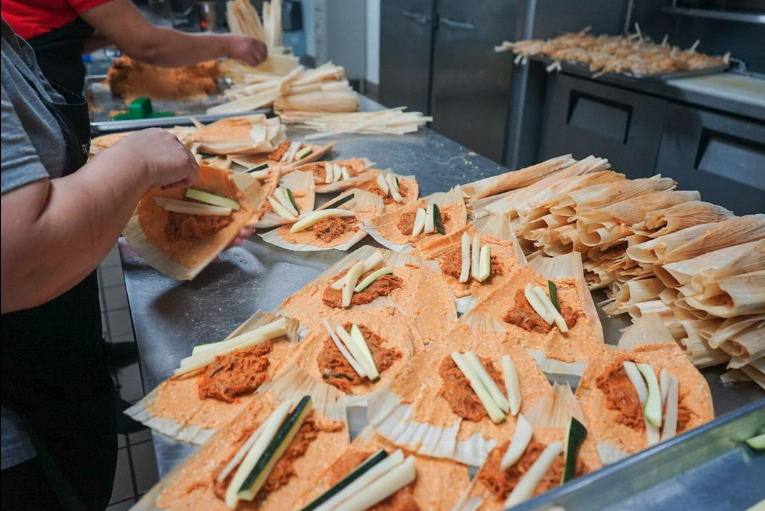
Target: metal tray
{"points": [[581, 70], [102, 103]]}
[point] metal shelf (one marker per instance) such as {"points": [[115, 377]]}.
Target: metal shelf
{"points": [[742, 17]]}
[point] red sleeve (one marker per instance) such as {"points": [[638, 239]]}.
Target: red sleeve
{"points": [[83, 5]]}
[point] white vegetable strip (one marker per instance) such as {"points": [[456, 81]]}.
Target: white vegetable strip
{"points": [[240, 454], [394, 188], [545, 300], [512, 384], [281, 210], [246, 340], [484, 265], [530, 480], [487, 381], [476, 257], [637, 381], [430, 225], [337, 172], [354, 363], [382, 184], [465, 271], [488, 403], [353, 276], [664, 385], [538, 306], [270, 427], [652, 409], [670, 420], [373, 474], [290, 154], [521, 439], [261, 174], [419, 222], [243, 337], [358, 338], [355, 349], [190, 208], [372, 278], [344, 172], [382, 488], [372, 261], [311, 218], [329, 174], [284, 201]]}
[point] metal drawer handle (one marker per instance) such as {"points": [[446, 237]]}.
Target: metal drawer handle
{"points": [[456, 24], [420, 19]]}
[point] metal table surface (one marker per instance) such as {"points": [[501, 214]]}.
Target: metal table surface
{"points": [[169, 317]]}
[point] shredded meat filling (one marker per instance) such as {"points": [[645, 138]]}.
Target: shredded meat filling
{"points": [[280, 151], [457, 391], [621, 396], [402, 500], [383, 286], [130, 79], [452, 265], [329, 229], [284, 470], [336, 370], [523, 315], [501, 482], [183, 227], [237, 373]]}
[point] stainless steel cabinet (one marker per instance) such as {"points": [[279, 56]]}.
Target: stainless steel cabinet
{"points": [[470, 80], [583, 117], [721, 156], [406, 45]]}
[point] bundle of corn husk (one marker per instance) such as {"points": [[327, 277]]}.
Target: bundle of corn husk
{"points": [[393, 121], [243, 19], [323, 89]]}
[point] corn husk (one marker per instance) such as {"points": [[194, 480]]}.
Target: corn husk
{"points": [[515, 179], [471, 292], [190, 483], [634, 292], [647, 330], [421, 286], [394, 327], [599, 196], [302, 186], [246, 135], [665, 221], [174, 409], [384, 228], [392, 121], [411, 414], [365, 204], [267, 188], [185, 260], [740, 295], [438, 485], [566, 272]]}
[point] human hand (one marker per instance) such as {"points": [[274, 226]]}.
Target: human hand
{"points": [[247, 49], [167, 162]]}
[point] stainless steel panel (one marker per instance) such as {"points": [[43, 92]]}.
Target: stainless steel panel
{"points": [[406, 31], [470, 80]]}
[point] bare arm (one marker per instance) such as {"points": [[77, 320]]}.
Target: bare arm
{"points": [[55, 232], [121, 22]]}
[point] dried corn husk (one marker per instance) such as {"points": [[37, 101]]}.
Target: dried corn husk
{"points": [[198, 419], [184, 260], [393, 121], [740, 295], [665, 221], [421, 285], [599, 196], [411, 414], [634, 292], [515, 179], [302, 186], [251, 134]]}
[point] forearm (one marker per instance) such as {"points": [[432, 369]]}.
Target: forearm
{"points": [[173, 48], [79, 221]]}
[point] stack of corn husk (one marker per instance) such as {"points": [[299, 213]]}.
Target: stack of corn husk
{"points": [[393, 121], [243, 19], [652, 248]]}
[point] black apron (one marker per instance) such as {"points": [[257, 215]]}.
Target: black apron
{"points": [[59, 54], [54, 372]]}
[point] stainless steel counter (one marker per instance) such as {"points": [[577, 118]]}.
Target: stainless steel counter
{"points": [[170, 317]]}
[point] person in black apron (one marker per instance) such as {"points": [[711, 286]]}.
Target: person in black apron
{"points": [[59, 54], [54, 373]]}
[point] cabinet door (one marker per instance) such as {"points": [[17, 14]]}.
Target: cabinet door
{"points": [[583, 117], [471, 82], [406, 33], [720, 156]]}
